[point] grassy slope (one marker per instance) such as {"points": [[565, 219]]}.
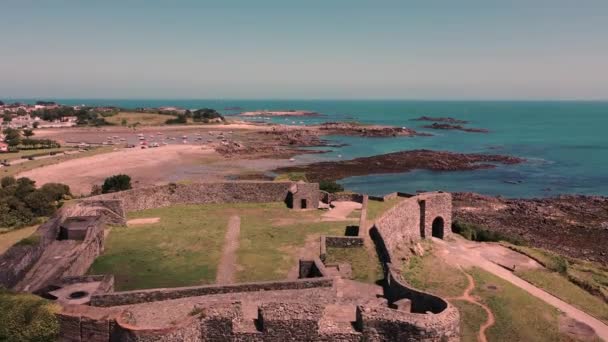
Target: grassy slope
{"points": [[18, 155], [555, 279], [519, 316], [365, 263], [561, 287], [25, 317], [11, 237], [184, 248]]}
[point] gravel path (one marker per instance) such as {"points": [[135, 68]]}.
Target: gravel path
{"points": [[226, 271]]}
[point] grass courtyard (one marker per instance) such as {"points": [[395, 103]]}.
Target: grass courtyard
{"points": [[185, 246]]}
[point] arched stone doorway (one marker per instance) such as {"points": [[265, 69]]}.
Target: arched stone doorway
{"points": [[438, 227]]}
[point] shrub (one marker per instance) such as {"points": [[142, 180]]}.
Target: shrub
{"points": [[116, 183], [330, 186], [476, 233], [180, 119]]}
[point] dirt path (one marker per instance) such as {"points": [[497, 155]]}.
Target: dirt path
{"points": [[464, 253], [466, 296], [340, 210], [226, 270]]}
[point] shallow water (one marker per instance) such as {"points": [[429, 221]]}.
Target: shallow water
{"points": [[565, 142]]}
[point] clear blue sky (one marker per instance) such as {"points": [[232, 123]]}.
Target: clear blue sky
{"points": [[483, 49]]}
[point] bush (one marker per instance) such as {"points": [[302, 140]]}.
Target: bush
{"points": [[475, 233], [180, 119], [27, 317], [330, 186], [21, 203], [116, 183]]}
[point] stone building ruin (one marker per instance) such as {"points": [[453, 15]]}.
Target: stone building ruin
{"points": [[312, 308]]}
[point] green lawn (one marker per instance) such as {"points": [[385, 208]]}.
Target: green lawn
{"points": [[271, 235], [562, 288], [184, 248], [20, 154], [365, 263], [519, 315], [144, 119]]}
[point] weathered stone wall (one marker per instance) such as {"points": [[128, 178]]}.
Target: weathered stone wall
{"points": [[304, 196], [19, 259], [312, 268], [412, 219], [200, 193], [385, 324], [152, 295], [343, 241]]}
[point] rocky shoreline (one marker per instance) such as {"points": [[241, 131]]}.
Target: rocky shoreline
{"points": [[398, 162], [446, 126], [573, 225]]}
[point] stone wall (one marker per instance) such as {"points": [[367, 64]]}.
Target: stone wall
{"points": [[19, 259], [412, 219], [153, 295], [200, 193], [312, 268]]}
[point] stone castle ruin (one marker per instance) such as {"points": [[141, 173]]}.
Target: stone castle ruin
{"points": [[319, 306]]}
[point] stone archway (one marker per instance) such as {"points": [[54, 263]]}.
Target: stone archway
{"points": [[437, 227]]}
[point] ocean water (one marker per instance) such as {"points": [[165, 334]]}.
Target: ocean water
{"points": [[565, 143]]}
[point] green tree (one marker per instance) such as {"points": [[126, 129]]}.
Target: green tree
{"points": [[12, 136], [330, 186], [116, 183], [28, 133]]}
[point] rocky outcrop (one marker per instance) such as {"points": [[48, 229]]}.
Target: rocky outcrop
{"points": [[441, 119], [403, 161], [446, 126]]}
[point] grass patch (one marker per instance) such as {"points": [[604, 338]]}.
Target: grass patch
{"points": [[519, 315], [472, 317], [182, 249], [26, 153], [375, 209], [31, 240], [365, 263], [27, 317], [429, 273], [36, 163], [268, 245], [13, 236], [143, 119], [291, 176], [561, 287], [590, 276]]}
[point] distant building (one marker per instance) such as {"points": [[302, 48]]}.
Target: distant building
{"points": [[3, 147]]}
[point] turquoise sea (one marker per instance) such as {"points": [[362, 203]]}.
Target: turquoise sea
{"points": [[565, 143]]}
